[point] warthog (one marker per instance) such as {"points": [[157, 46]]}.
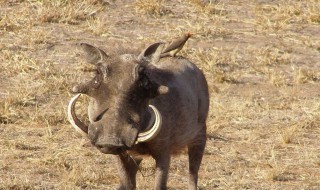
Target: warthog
{"points": [[144, 105]]}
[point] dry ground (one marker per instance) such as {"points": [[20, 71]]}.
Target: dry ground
{"points": [[261, 59]]}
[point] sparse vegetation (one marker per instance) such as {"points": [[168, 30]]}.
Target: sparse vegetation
{"points": [[261, 59], [151, 7]]}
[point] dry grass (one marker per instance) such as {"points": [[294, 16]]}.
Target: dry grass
{"points": [[261, 59], [306, 76], [151, 7], [70, 12], [280, 15]]}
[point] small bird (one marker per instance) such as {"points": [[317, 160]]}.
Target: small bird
{"points": [[176, 45]]}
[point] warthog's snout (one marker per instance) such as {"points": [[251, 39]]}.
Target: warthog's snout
{"points": [[110, 149], [110, 146], [128, 137], [105, 143]]}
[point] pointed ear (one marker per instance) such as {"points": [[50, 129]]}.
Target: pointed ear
{"points": [[152, 53], [93, 54]]}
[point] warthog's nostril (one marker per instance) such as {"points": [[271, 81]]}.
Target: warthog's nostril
{"points": [[110, 149]]}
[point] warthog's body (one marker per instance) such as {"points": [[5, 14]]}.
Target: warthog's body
{"points": [[119, 110]]}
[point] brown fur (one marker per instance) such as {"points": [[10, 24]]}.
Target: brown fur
{"points": [[125, 85]]}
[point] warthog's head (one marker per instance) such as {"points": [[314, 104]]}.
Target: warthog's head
{"points": [[119, 111]]}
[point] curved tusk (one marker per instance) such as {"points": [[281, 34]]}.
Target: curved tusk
{"points": [[72, 117], [153, 132]]}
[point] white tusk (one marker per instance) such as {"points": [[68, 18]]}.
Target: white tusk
{"points": [[153, 132], [75, 122]]}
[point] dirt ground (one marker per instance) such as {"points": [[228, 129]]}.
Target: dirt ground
{"points": [[261, 59]]}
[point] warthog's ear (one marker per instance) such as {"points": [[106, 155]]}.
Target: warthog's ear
{"points": [[152, 53], [93, 54]]}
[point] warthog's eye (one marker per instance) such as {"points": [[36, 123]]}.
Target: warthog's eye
{"points": [[130, 120], [133, 119], [96, 81]]}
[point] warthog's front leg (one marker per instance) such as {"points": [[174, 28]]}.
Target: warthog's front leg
{"points": [[162, 169], [127, 169]]}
